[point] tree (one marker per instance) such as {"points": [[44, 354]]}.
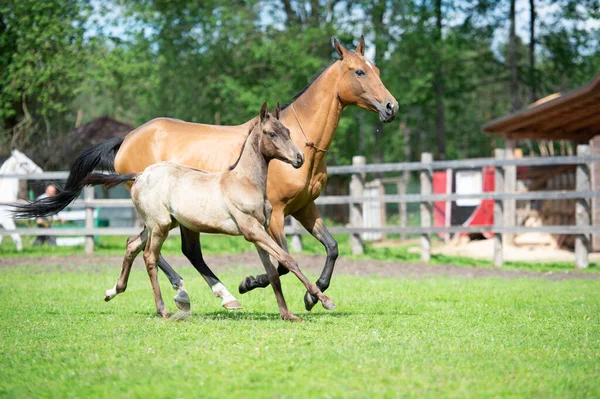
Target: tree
{"points": [[41, 62]]}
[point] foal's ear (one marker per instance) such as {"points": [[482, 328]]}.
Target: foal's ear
{"points": [[360, 49], [264, 111], [277, 110], [339, 48]]}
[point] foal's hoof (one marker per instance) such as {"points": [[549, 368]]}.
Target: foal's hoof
{"points": [[328, 304], [233, 305], [310, 301], [245, 285], [182, 301], [291, 317]]}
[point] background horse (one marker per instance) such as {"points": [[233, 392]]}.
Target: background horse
{"points": [[312, 119], [17, 163]]}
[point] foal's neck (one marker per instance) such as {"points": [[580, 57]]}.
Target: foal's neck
{"points": [[252, 164]]}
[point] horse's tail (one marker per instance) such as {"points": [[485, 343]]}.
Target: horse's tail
{"points": [[108, 181], [99, 156]]}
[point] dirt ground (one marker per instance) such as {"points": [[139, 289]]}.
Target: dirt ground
{"points": [[250, 261], [484, 249]]}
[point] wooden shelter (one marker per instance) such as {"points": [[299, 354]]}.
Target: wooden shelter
{"points": [[573, 116]]}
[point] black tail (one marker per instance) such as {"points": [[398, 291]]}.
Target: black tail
{"points": [[96, 179], [99, 156]]}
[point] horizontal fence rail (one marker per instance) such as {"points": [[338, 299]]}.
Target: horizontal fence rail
{"points": [[502, 197]]}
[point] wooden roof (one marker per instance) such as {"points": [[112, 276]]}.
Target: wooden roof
{"points": [[574, 115]]}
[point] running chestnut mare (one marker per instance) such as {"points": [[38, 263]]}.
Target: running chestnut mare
{"points": [[312, 118], [232, 202]]}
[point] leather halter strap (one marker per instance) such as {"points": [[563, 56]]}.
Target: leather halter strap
{"points": [[310, 144]]}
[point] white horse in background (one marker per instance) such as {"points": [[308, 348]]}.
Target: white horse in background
{"points": [[18, 163]]}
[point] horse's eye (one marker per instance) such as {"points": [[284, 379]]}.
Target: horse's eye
{"points": [[272, 134], [360, 72]]}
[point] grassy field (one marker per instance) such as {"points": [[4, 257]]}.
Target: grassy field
{"points": [[436, 337]]}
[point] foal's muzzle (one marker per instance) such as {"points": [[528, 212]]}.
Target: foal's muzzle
{"points": [[299, 161]]}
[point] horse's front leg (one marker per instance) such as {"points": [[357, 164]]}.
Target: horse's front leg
{"points": [[190, 246], [276, 229], [310, 218]]}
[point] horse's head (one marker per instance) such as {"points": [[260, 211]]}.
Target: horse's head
{"points": [[359, 83], [275, 141], [22, 164]]}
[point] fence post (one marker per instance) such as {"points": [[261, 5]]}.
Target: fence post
{"points": [[510, 186], [582, 210], [498, 209], [88, 195], [296, 241], [401, 188], [356, 217], [426, 208]]}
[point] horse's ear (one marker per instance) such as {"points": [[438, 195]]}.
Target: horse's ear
{"points": [[339, 48], [360, 49], [277, 110], [264, 111]]}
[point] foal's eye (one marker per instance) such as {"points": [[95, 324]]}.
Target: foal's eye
{"points": [[272, 134], [360, 72]]}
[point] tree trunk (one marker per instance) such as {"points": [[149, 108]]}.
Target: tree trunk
{"points": [[377, 13], [532, 76], [439, 85], [512, 61]]}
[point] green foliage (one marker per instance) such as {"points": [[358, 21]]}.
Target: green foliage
{"points": [[216, 61], [432, 337], [41, 65]]}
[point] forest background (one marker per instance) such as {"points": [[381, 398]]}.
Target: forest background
{"points": [[452, 66]]}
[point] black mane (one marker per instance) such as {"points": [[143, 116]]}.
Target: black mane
{"points": [[301, 92]]}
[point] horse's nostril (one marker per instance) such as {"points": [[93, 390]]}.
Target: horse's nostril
{"points": [[389, 106]]}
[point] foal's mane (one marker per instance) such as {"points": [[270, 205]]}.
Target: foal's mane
{"points": [[252, 126], [301, 92]]}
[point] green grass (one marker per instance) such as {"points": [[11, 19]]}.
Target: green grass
{"points": [[436, 337], [219, 244]]}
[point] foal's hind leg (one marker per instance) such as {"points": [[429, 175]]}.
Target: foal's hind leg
{"points": [[156, 237], [134, 246]]}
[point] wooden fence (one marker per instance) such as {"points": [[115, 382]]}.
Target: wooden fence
{"points": [[504, 198]]}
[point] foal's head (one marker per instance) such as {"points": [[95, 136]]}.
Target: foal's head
{"points": [[275, 141]]}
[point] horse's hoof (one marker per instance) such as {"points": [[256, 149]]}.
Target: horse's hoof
{"points": [[233, 305], [182, 301], [310, 301], [243, 288], [109, 294], [329, 305], [291, 317]]}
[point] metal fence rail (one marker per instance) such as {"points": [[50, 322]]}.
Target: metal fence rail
{"points": [[501, 197]]}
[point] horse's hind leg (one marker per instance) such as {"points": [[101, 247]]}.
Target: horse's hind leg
{"points": [[156, 238], [190, 246]]}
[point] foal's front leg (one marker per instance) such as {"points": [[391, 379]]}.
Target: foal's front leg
{"points": [[257, 234]]}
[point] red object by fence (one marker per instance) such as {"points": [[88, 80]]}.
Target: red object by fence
{"points": [[464, 212]]}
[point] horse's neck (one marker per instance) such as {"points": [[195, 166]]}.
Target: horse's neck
{"points": [[317, 111], [252, 164]]}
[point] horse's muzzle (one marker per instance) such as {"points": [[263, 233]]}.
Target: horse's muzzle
{"points": [[388, 112]]}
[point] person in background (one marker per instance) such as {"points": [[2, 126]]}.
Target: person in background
{"points": [[45, 223]]}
